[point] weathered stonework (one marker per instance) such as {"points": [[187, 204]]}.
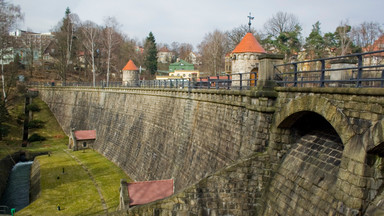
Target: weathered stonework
{"points": [[235, 190], [158, 134], [34, 190], [292, 151]]}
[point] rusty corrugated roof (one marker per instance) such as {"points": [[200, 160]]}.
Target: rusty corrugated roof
{"points": [[249, 44], [85, 134], [130, 66], [149, 191]]}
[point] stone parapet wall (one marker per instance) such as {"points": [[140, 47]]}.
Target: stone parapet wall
{"points": [[160, 134]]}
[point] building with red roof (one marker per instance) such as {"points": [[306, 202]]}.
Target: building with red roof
{"points": [[249, 44], [245, 59], [140, 193], [81, 139], [130, 74], [376, 58]]}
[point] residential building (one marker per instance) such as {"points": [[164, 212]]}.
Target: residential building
{"points": [[181, 65], [164, 55]]}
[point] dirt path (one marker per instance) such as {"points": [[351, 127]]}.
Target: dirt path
{"points": [[105, 207]]}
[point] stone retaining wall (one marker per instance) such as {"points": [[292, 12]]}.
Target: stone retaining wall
{"points": [[235, 190], [163, 134], [34, 190]]}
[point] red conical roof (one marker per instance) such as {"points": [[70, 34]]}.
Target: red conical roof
{"points": [[130, 66], [249, 44]]}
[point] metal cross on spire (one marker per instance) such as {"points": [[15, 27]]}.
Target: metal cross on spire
{"points": [[249, 23]]}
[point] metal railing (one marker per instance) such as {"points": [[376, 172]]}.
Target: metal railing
{"points": [[5, 210], [355, 70], [240, 81]]}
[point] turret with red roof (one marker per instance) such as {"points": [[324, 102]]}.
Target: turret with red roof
{"points": [[130, 74], [245, 59]]}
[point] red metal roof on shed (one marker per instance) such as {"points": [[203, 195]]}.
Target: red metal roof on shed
{"points": [[85, 134], [149, 191]]}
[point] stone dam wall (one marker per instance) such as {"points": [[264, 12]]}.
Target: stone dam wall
{"points": [[165, 134], [281, 152]]}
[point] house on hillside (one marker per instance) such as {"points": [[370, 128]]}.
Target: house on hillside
{"points": [[181, 65], [164, 55], [376, 58], [81, 139], [30, 46]]}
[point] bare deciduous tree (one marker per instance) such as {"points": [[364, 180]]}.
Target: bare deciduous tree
{"points": [[213, 49], [65, 35], [110, 40], [28, 42], [281, 22], [237, 34], [10, 15], [184, 50], [90, 33], [343, 35], [366, 33]]}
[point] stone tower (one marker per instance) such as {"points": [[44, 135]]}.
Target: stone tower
{"points": [[245, 59], [130, 74]]}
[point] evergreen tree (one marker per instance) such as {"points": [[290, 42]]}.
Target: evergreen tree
{"points": [[330, 41], [150, 60], [315, 42], [287, 43]]}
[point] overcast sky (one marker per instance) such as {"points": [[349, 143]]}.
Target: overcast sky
{"points": [[189, 21]]}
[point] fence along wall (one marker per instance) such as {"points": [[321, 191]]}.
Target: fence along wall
{"points": [[160, 134]]}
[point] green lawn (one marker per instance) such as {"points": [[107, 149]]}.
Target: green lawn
{"points": [[74, 191]]}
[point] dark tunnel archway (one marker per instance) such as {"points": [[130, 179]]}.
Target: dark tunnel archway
{"points": [[307, 173], [304, 122]]}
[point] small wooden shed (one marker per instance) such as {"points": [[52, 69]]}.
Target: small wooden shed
{"points": [[81, 139]]}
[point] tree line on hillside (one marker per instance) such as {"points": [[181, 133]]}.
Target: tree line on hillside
{"points": [[282, 34], [87, 52]]}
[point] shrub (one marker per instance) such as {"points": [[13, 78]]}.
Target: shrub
{"points": [[36, 137], [36, 124], [33, 107], [20, 119]]}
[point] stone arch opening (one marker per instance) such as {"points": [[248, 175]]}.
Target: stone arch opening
{"points": [[305, 179], [303, 122]]}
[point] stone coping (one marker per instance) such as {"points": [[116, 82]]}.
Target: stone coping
{"points": [[334, 90]]}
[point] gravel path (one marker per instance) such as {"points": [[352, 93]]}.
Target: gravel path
{"points": [[105, 207]]}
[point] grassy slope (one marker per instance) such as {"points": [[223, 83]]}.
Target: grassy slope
{"points": [[74, 190]]}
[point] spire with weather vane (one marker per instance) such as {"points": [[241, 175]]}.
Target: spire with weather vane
{"points": [[249, 23]]}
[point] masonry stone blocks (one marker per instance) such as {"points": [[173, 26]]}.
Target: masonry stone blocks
{"points": [[284, 151]]}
